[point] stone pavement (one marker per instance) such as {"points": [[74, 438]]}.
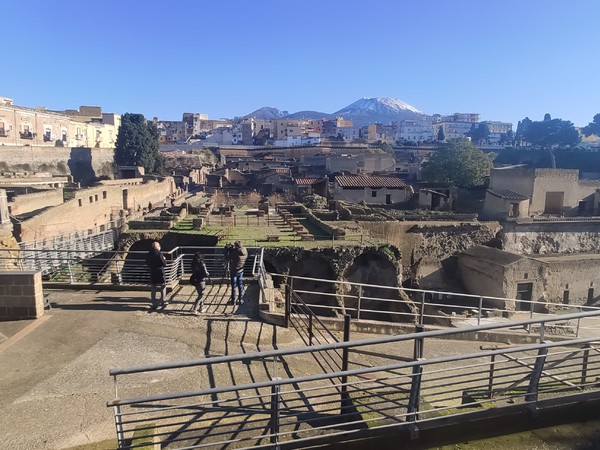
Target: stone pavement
{"points": [[54, 371]]}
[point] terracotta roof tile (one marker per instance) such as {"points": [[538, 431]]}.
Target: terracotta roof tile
{"points": [[507, 194], [358, 181]]}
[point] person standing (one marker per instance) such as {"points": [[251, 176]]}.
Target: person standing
{"points": [[156, 263], [237, 258], [198, 279]]}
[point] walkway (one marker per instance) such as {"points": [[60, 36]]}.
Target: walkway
{"points": [[54, 371]]}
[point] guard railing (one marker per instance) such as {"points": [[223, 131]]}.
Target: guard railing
{"points": [[283, 399]]}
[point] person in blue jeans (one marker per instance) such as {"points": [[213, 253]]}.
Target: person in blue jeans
{"points": [[156, 263], [237, 258]]}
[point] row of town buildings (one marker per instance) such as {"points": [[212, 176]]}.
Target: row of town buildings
{"points": [[299, 132], [86, 127]]}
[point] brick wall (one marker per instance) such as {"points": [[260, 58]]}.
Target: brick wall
{"points": [[94, 208], [21, 295]]}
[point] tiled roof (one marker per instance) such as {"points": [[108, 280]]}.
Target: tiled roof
{"points": [[507, 194], [494, 255], [358, 181], [307, 181], [434, 192]]}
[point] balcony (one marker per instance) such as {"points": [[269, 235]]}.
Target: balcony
{"points": [[26, 135], [47, 138]]}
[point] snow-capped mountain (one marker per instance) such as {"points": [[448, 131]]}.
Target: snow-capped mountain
{"points": [[361, 112], [379, 109]]}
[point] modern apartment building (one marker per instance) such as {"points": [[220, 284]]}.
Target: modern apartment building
{"points": [[454, 126]]}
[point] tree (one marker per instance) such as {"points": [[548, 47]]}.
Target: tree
{"points": [[440, 135], [507, 138], [479, 133], [551, 133], [137, 143], [593, 127], [522, 129], [458, 163]]}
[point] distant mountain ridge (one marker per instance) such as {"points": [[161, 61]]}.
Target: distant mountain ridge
{"points": [[362, 112]]}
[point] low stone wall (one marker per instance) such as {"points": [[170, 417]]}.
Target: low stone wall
{"points": [[25, 203], [21, 295]]}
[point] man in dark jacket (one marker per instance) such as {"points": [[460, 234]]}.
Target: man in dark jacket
{"points": [[156, 263], [237, 258]]}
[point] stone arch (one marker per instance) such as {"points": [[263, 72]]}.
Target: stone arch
{"points": [[128, 240], [321, 293], [375, 268]]}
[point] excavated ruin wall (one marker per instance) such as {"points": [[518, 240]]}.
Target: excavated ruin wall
{"points": [[551, 237], [427, 247]]}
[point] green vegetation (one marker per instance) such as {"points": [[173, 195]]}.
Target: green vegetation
{"points": [[593, 127], [458, 163], [548, 133], [137, 144]]}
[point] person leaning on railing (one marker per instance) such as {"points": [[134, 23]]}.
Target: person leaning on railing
{"points": [[156, 262]]}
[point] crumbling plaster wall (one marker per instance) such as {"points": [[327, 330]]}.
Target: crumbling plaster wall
{"points": [[550, 237], [380, 266], [425, 246]]}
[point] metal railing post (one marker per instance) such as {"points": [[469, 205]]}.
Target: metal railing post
{"points": [[119, 426], [584, 363], [491, 377], [538, 367], [345, 398], [480, 311], [360, 289], [422, 312], [288, 304], [275, 398], [310, 329], [415, 385]]}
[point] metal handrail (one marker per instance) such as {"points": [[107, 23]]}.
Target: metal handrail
{"points": [[355, 343], [479, 308], [270, 410]]}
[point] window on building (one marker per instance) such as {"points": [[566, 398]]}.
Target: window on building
{"points": [[2, 129], [96, 197], [104, 194], [373, 193], [79, 201], [91, 199]]}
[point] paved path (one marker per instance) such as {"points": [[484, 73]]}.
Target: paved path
{"points": [[54, 371]]}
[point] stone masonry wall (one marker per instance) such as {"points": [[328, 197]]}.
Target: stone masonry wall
{"points": [[21, 295], [25, 203], [85, 164], [94, 208]]}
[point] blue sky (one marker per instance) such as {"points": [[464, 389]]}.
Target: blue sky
{"points": [[503, 59]]}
